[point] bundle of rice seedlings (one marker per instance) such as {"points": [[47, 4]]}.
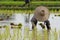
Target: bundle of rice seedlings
{"points": [[20, 25], [19, 35], [17, 32]]}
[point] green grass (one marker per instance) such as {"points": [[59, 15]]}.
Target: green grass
{"points": [[33, 2], [11, 2]]}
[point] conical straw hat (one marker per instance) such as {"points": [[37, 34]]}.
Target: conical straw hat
{"points": [[44, 16]]}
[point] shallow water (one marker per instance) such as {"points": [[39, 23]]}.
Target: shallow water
{"points": [[21, 18]]}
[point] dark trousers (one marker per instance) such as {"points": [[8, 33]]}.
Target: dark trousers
{"points": [[46, 22]]}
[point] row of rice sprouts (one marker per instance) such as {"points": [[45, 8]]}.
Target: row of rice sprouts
{"points": [[7, 33]]}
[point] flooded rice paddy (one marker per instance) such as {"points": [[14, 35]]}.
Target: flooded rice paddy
{"points": [[26, 33]]}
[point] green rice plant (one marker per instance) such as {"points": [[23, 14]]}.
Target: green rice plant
{"points": [[39, 35], [55, 10], [52, 11], [19, 31], [21, 11], [51, 35], [26, 33], [1, 37], [15, 11], [33, 2], [2, 34], [30, 35], [19, 25], [55, 34], [45, 35], [59, 10], [15, 32], [7, 32], [19, 34], [34, 34]]}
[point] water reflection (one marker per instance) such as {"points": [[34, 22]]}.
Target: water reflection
{"points": [[26, 19]]}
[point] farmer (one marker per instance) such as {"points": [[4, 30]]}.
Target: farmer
{"points": [[27, 2], [41, 14]]}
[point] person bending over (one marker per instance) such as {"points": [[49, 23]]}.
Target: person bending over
{"points": [[41, 14]]}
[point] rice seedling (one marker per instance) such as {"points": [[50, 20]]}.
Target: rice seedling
{"points": [[34, 34], [39, 35], [45, 35], [7, 33], [26, 33], [4, 33], [55, 34], [30, 35], [20, 25], [17, 32], [1, 36], [59, 10], [23, 11]]}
